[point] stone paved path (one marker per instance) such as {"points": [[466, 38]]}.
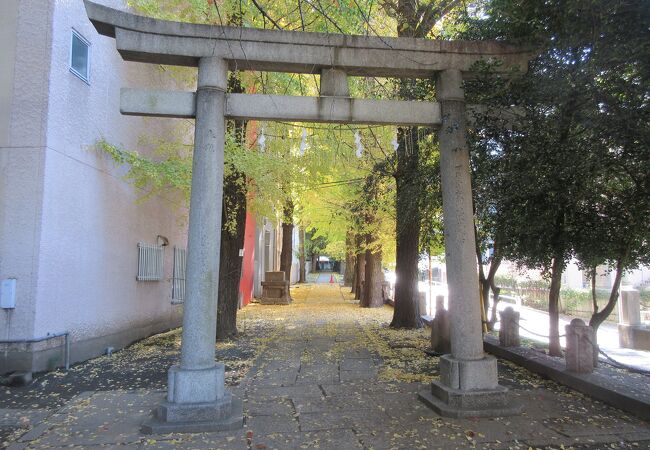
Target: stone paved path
{"points": [[326, 277], [321, 381]]}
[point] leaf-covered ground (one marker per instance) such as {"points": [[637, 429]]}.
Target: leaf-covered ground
{"points": [[324, 373], [141, 365]]}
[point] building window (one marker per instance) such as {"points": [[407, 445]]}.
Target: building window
{"points": [[178, 277], [268, 262], [80, 56], [150, 262]]}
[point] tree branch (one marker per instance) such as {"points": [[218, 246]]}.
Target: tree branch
{"points": [[302, 19], [320, 10], [265, 14], [430, 15]]}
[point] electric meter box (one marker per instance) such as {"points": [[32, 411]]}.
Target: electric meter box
{"points": [[8, 293]]}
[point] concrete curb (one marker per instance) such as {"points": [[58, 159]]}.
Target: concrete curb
{"points": [[605, 384]]}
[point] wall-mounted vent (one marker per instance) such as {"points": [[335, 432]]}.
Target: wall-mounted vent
{"points": [[178, 278], [150, 262]]}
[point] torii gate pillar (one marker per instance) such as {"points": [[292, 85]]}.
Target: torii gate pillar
{"points": [[197, 399], [468, 385]]}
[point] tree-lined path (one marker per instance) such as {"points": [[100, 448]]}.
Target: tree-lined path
{"points": [[326, 277], [325, 374]]}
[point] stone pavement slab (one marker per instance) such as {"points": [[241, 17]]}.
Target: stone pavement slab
{"points": [[356, 375], [341, 419], [274, 392], [272, 424], [281, 406], [324, 440], [358, 364], [353, 353], [21, 417], [335, 405]]}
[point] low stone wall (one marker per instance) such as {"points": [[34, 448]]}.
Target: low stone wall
{"points": [[604, 383], [40, 358]]}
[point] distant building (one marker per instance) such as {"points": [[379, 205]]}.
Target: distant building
{"points": [[575, 278]]}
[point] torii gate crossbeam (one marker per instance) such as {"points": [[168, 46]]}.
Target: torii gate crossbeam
{"points": [[197, 399], [144, 39], [138, 102]]}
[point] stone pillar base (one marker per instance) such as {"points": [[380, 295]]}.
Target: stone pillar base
{"points": [[275, 301], [195, 385], [469, 388], [634, 336], [226, 414], [197, 401]]}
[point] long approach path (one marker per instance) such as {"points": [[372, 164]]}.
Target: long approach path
{"points": [[319, 373]]}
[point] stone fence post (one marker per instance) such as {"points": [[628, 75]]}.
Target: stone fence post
{"points": [[440, 302], [629, 307], [509, 329], [422, 303], [440, 333], [580, 348], [631, 331]]}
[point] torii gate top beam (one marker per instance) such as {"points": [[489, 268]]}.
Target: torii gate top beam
{"points": [[150, 40]]}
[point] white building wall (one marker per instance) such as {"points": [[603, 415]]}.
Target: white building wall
{"points": [[638, 278], [82, 223], [274, 251], [24, 60], [265, 258], [572, 276], [295, 251], [258, 265]]}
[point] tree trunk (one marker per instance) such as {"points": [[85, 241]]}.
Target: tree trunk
{"points": [[598, 317], [374, 277], [494, 267], [286, 255], [230, 263], [554, 347], [405, 314], [594, 298], [486, 282], [355, 275], [484, 285], [360, 276], [412, 21], [233, 225], [496, 291], [301, 245], [492, 272], [348, 276], [430, 276]]}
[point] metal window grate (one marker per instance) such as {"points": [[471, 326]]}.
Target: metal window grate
{"points": [[150, 262], [178, 277]]}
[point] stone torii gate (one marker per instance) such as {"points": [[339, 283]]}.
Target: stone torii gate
{"points": [[197, 399]]}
